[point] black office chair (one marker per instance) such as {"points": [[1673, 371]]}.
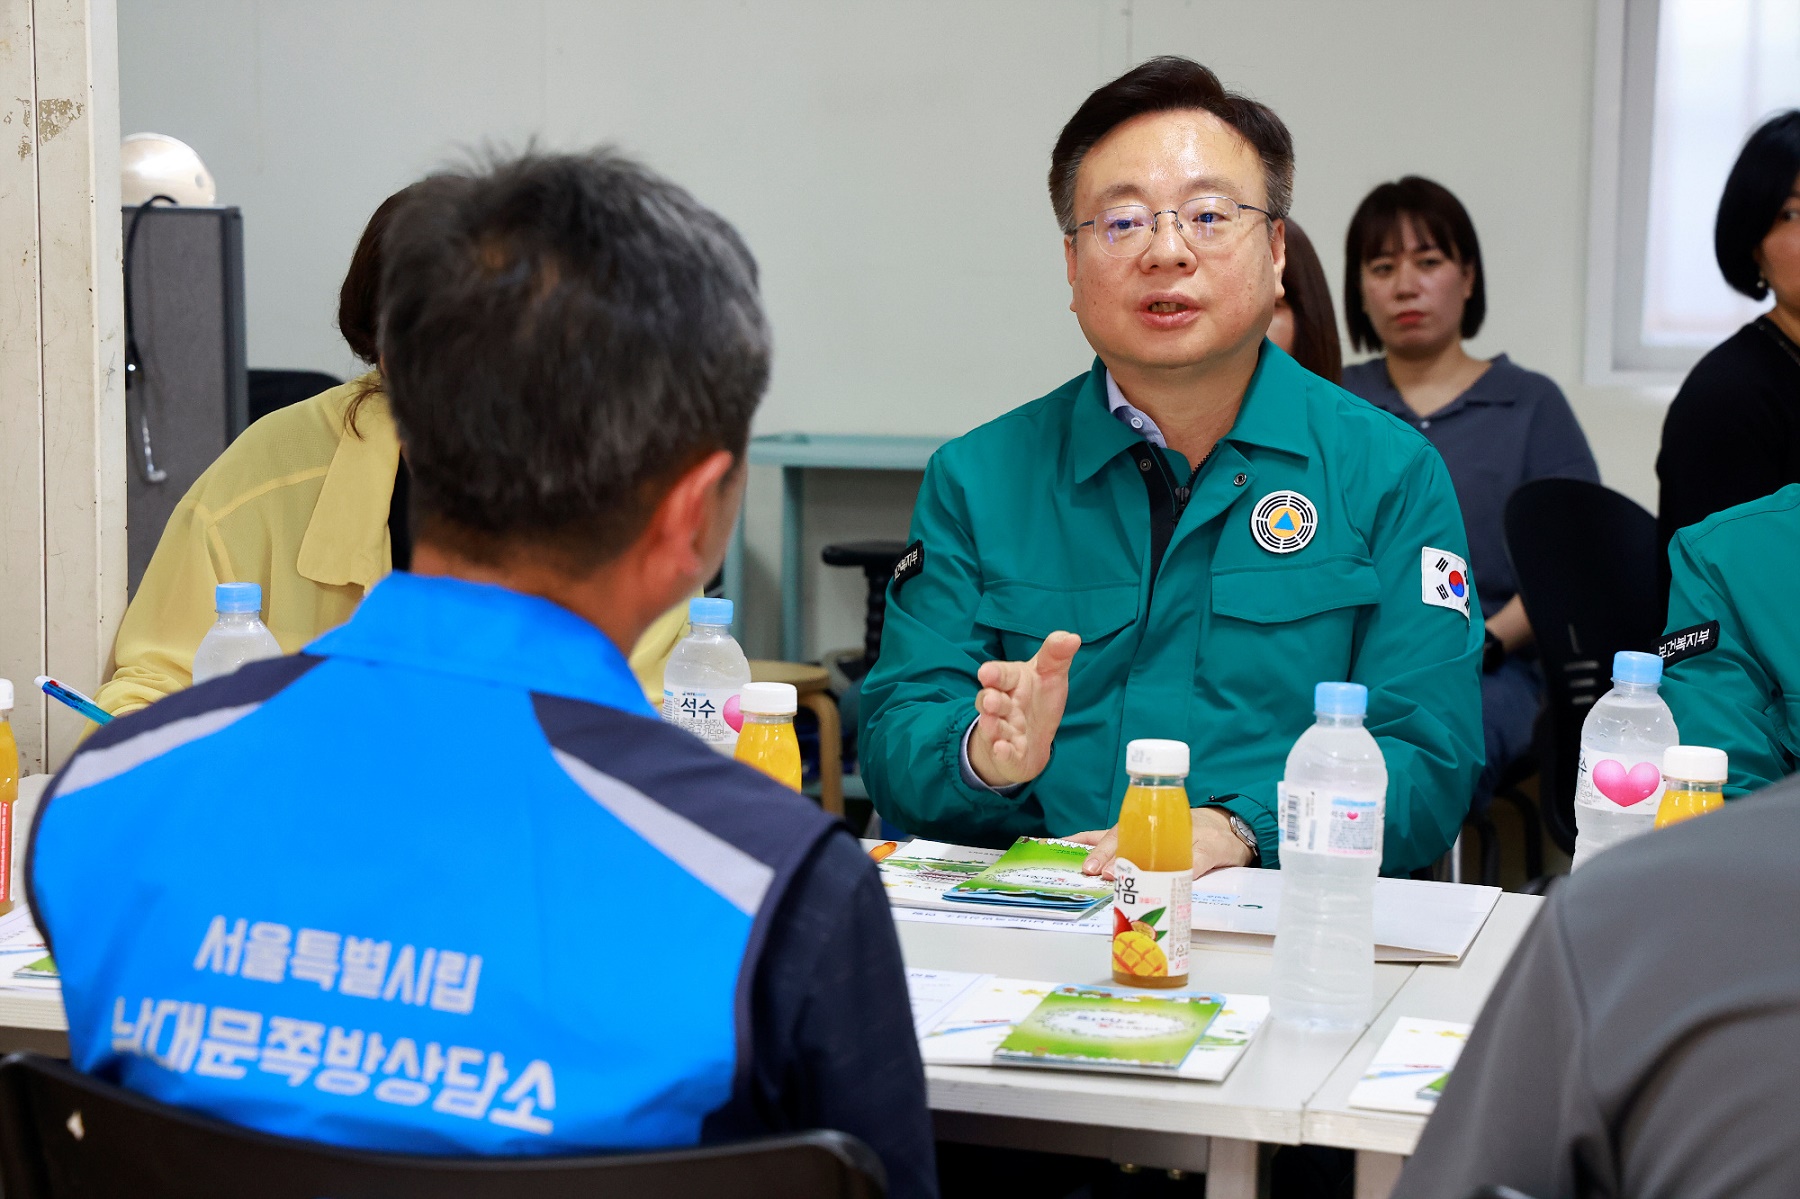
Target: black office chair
{"points": [[65, 1135], [271, 390], [876, 560], [1585, 558]]}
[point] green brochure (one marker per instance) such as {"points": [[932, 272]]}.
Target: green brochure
{"points": [[1037, 872], [1110, 1028], [44, 967]]}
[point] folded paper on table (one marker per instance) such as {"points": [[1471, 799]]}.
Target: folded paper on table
{"points": [[967, 1028], [1414, 921], [1409, 1069]]}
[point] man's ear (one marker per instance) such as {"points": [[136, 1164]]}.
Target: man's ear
{"points": [[1069, 261], [693, 520], [1278, 251]]}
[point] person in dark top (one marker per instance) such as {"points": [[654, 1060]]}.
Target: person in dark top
{"points": [[1645, 1037], [1733, 432], [1305, 324], [443, 882], [1413, 285]]}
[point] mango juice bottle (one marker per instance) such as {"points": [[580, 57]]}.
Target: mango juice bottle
{"points": [[9, 793], [1693, 783], [1153, 891], [767, 739]]}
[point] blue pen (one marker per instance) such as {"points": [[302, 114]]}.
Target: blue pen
{"points": [[65, 694]]}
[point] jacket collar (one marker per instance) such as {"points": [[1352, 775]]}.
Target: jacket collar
{"points": [[1274, 414], [481, 631], [346, 541]]}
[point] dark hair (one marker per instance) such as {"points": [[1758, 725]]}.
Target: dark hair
{"points": [[562, 335], [1760, 182], [1167, 84], [359, 301], [1435, 214], [1309, 297]]}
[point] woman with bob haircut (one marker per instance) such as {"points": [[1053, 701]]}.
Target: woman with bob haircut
{"points": [[1732, 434], [311, 503], [1305, 324], [1414, 287]]}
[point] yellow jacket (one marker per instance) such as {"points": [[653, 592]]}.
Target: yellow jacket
{"points": [[300, 505]]}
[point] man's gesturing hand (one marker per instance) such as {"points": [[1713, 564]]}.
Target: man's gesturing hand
{"points": [[1021, 705]]}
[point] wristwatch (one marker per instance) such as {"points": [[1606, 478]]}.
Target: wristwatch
{"points": [[1240, 828]]}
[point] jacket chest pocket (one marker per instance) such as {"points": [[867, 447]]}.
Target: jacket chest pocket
{"points": [[1271, 622], [1023, 614]]}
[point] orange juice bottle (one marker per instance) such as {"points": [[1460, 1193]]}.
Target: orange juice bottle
{"points": [[9, 793], [1693, 783], [767, 739], [1153, 891]]}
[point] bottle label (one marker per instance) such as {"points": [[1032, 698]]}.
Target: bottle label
{"points": [[1313, 820], [6, 854], [1616, 782], [710, 713], [1152, 920]]}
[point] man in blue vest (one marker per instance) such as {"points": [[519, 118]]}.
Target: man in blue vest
{"points": [[442, 883]]}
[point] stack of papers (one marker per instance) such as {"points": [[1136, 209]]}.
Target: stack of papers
{"points": [[1233, 908], [24, 965], [920, 875], [1414, 921], [1041, 875], [1409, 1069], [962, 1020]]}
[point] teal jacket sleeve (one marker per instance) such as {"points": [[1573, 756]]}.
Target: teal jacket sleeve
{"points": [[1725, 697], [919, 700], [1422, 666]]}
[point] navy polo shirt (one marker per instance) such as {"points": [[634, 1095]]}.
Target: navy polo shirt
{"points": [[1511, 426]]}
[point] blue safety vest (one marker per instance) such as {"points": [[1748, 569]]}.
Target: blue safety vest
{"points": [[440, 884]]}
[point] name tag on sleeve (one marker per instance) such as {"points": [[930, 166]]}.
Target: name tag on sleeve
{"points": [[1687, 643], [1444, 580]]}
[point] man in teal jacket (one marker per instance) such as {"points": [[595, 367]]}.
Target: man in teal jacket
{"points": [[1731, 657], [1179, 543]]}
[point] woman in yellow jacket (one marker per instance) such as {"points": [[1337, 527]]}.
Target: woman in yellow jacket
{"points": [[309, 502]]}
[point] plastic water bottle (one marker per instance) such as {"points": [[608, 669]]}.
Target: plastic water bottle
{"points": [[704, 680], [1333, 802], [238, 637], [1620, 783]]}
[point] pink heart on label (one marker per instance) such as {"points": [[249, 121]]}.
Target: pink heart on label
{"points": [[1351, 815], [1626, 788]]}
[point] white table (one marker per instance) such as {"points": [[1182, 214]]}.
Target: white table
{"points": [[1382, 1140], [1214, 1128], [1290, 1087]]}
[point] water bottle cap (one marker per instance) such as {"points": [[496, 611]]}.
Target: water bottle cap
{"points": [[702, 610], [768, 699], [1631, 666], [6, 695], [1695, 763], [1166, 758], [237, 597], [1340, 699]]}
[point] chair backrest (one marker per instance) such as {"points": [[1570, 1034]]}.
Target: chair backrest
{"points": [[877, 560], [65, 1134], [271, 390], [1585, 558]]}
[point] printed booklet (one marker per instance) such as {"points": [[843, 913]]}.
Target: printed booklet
{"points": [[1410, 1068], [962, 1019], [1040, 874], [1110, 1028]]}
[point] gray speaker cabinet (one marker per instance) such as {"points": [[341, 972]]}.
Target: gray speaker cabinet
{"points": [[188, 396]]}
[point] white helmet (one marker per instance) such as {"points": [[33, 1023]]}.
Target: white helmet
{"points": [[152, 164]]}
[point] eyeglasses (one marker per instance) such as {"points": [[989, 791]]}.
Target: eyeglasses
{"points": [[1207, 223]]}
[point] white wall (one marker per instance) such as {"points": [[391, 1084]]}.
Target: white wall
{"points": [[886, 161]]}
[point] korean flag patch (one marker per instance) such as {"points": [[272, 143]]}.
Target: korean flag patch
{"points": [[1444, 580]]}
